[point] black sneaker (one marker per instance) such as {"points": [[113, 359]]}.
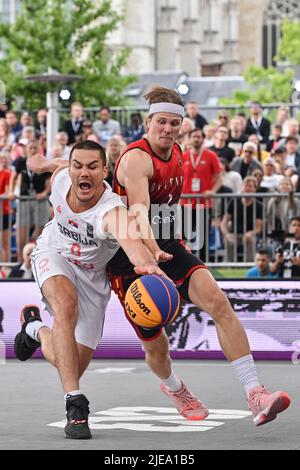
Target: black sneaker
{"points": [[78, 411], [24, 345]]}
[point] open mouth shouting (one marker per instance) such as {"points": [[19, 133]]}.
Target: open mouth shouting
{"points": [[85, 186]]}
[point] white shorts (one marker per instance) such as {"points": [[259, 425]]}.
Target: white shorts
{"points": [[93, 292]]}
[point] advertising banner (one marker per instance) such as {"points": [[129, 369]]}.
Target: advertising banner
{"points": [[269, 311]]}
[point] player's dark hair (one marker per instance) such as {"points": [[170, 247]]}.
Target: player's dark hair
{"points": [[226, 164], [296, 218], [279, 150], [197, 129], [105, 108], [263, 251], [159, 94], [291, 138], [89, 145]]}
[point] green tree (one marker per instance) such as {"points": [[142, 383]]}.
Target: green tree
{"points": [[266, 85], [68, 37], [289, 46]]}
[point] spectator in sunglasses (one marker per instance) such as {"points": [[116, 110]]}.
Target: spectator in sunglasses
{"points": [[246, 163]]}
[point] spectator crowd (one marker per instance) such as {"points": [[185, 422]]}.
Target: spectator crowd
{"points": [[232, 155]]}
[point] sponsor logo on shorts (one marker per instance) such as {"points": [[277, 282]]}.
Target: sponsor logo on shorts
{"points": [[43, 263], [58, 209], [81, 264], [43, 266]]}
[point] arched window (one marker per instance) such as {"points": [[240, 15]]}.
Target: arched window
{"points": [[274, 14]]}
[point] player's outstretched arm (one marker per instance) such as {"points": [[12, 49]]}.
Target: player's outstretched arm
{"points": [[137, 171], [39, 164], [121, 224]]}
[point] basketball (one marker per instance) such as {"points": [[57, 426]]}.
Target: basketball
{"points": [[152, 301]]}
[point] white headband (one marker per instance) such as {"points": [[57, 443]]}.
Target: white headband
{"points": [[167, 108]]}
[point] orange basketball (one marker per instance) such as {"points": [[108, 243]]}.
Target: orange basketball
{"points": [[152, 301]]}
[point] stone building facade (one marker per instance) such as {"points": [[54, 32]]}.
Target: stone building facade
{"points": [[201, 37]]}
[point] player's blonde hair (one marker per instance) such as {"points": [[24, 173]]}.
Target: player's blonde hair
{"points": [[159, 94]]}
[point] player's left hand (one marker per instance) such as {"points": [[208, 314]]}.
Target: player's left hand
{"points": [[161, 256]]}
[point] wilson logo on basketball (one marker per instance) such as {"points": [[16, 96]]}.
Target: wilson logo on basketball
{"points": [[136, 295]]}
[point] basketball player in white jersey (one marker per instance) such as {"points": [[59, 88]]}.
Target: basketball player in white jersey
{"points": [[69, 266]]}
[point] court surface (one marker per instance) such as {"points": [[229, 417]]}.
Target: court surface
{"points": [[128, 410]]}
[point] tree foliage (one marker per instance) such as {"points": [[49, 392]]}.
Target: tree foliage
{"points": [[289, 46], [270, 85], [266, 85], [68, 37]]}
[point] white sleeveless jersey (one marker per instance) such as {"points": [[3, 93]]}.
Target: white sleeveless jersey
{"points": [[79, 237]]}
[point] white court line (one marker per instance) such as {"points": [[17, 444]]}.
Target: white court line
{"points": [[157, 419], [226, 364], [113, 370]]}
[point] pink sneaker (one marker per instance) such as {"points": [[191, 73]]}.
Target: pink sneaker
{"points": [[265, 405], [186, 403]]}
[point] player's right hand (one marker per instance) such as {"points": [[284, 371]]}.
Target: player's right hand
{"points": [[36, 163], [162, 256], [150, 269]]}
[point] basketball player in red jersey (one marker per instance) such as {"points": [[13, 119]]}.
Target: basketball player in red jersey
{"points": [[148, 173]]}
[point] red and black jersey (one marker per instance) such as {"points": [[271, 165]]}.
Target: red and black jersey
{"points": [[165, 188]]}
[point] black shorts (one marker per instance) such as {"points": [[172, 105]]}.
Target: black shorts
{"points": [[5, 222], [179, 269]]}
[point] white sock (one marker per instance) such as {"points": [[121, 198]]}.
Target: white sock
{"points": [[173, 383], [33, 328], [74, 393], [246, 371]]}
